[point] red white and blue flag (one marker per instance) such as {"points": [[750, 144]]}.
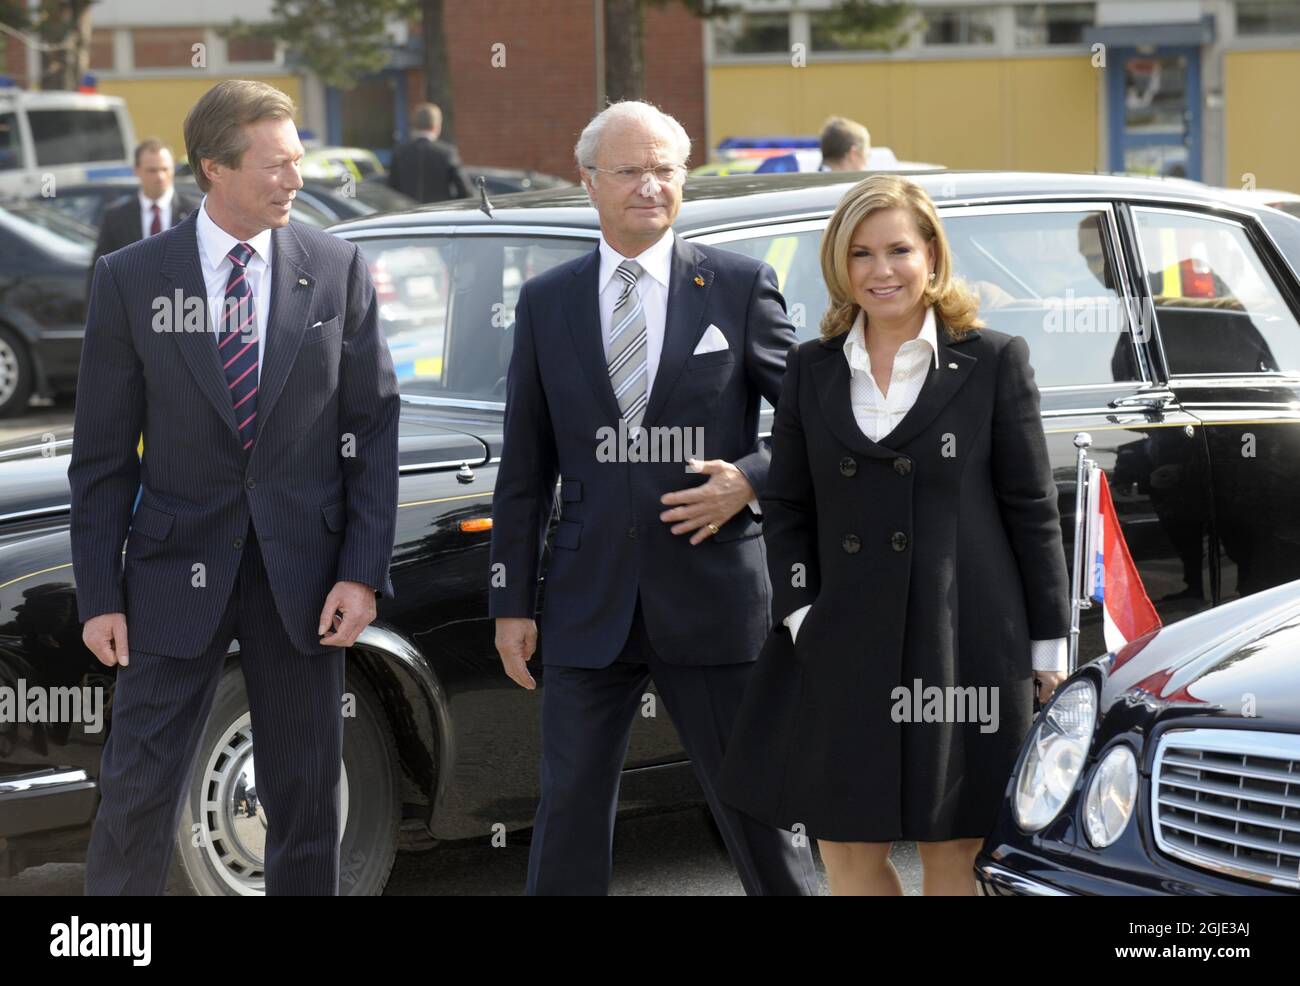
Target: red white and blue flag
{"points": [[1113, 580]]}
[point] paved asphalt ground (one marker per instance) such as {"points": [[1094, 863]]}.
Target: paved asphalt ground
{"points": [[667, 854]]}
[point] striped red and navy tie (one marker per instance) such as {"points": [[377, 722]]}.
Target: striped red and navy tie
{"points": [[237, 343]]}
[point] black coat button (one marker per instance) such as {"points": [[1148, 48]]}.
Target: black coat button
{"points": [[848, 466], [851, 543], [898, 541], [631, 533], [237, 543], [902, 466], [249, 483]]}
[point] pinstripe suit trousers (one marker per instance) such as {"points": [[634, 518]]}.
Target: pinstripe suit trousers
{"points": [[159, 709]]}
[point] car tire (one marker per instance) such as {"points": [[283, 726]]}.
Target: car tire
{"points": [[218, 852], [17, 376]]}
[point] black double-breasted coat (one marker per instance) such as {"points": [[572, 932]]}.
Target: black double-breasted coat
{"points": [[934, 556]]}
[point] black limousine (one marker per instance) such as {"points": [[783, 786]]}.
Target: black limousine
{"points": [[1164, 322]]}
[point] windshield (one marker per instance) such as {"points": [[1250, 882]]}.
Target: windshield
{"points": [[48, 229]]}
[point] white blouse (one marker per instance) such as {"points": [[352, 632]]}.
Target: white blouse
{"points": [[877, 414]]}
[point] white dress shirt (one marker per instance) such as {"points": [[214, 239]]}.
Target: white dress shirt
{"points": [[214, 245], [164, 203], [877, 414]]}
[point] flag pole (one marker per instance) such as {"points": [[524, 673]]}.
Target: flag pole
{"points": [[1082, 442]]}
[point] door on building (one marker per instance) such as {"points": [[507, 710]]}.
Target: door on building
{"points": [[1154, 109]]}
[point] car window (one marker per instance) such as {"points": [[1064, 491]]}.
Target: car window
{"points": [[76, 136], [1050, 276], [1216, 305], [11, 148], [447, 306], [1046, 275]]}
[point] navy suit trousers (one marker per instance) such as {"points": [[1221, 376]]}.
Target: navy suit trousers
{"points": [[159, 710], [587, 717]]}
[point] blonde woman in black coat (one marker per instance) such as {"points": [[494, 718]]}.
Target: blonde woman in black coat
{"points": [[914, 546]]}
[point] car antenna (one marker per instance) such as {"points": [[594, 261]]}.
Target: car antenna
{"points": [[483, 202]]}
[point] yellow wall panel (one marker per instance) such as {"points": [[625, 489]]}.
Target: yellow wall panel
{"points": [[1261, 123], [1033, 114], [158, 106]]}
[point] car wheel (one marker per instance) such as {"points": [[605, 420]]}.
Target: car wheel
{"points": [[220, 845], [16, 375]]}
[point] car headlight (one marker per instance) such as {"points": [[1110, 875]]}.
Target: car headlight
{"points": [[1111, 796], [1058, 748]]}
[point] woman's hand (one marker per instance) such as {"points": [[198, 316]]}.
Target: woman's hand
{"points": [[1046, 683]]}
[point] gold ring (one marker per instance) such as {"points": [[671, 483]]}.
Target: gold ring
{"points": [[713, 528]]}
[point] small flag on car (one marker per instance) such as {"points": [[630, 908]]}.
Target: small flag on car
{"points": [[1112, 578]]}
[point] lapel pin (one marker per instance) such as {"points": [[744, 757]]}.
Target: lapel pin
{"points": [[302, 281], [952, 366], [699, 280]]}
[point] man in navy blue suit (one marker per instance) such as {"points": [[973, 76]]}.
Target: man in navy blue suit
{"points": [[636, 379], [247, 352]]}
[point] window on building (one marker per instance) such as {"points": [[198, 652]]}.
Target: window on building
{"points": [[250, 50], [166, 47], [752, 34], [1268, 17], [1040, 24], [959, 25], [839, 30], [101, 48]]}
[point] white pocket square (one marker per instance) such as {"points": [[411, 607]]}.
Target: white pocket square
{"points": [[712, 341]]}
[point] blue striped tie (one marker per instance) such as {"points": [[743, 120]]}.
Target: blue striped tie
{"points": [[237, 343]]}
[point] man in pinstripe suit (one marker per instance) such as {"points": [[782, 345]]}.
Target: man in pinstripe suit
{"points": [[247, 351]]}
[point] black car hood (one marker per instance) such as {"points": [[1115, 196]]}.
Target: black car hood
{"points": [[1237, 659]]}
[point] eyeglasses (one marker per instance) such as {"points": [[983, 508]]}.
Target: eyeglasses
{"points": [[630, 174]]}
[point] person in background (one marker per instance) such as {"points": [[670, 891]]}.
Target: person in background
{"points": [[845, 145], [424, 167], [155, 206]]}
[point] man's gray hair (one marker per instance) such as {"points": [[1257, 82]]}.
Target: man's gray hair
{"points": [[629, 109]]}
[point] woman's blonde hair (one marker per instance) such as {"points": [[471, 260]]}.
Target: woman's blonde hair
{"points": [[955, 304]]}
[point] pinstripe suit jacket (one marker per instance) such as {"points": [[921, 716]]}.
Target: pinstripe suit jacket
{"points": [[320, 483]]}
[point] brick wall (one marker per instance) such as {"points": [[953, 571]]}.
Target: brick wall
{"points": [[528, 114]]}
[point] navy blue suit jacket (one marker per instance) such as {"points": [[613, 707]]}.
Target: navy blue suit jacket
{"points": [[703, 604], [320, 482]]}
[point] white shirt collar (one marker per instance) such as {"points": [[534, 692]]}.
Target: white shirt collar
{"points": [[855, 346], [215, 243], [656, 260], [162, 200]]}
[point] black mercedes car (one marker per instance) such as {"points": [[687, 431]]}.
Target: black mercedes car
{"points": [[1166, 324], [1170, 766]]}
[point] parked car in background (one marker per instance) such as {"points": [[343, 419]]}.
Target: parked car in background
{"points": [[61, 138], [1169, 766], [1163, 321], [86, 201], [44, 260], [503, 181]]}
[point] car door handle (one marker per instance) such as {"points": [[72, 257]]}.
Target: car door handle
{"points": [[1153, 401]]}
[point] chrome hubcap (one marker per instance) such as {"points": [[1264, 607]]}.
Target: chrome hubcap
{"points": [[8, 371], [232, 819]]}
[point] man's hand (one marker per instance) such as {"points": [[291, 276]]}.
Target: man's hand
{"points": [[716, 502], [348, 610], [105, 635], [516, 642]]}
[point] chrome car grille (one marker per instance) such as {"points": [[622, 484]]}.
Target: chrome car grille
{"points": [[1228, 800]]}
